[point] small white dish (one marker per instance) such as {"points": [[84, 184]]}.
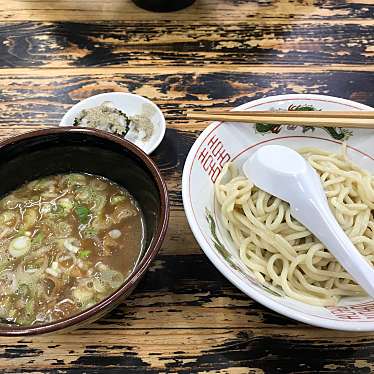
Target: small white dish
{"points": [[130, 104]]}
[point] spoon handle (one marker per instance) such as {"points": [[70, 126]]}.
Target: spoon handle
{"points": [[318, 218]]}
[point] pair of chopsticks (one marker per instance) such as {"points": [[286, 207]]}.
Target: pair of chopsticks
{"points": [[354, 119]]}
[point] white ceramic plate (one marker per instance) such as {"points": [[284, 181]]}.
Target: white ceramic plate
{"points": [[223, 142], [131, 105]]}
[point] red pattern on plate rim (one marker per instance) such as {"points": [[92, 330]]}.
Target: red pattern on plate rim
{"points": [[213, 157]]}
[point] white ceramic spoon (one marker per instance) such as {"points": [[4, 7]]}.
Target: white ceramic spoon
{"points": [[284, 173]]}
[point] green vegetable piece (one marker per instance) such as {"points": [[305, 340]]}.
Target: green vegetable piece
{"points": [[21, 232], [66, 204], [82, 212], [23, 290], [35, 264], [59, 210], [100, 201], [37, 239], [89, 232], [116, 199], [84, 193], [84, 253], [29, 307], [19, 246], [12, 313]]}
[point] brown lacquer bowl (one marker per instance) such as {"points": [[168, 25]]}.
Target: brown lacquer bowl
{"points": [[53, 151]]}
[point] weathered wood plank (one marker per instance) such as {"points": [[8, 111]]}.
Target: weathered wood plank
{"points": [[34, 97], [230, 10], [162, 43], [189, 351]]}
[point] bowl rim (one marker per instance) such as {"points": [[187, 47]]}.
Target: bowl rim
{"points": [[221, 265], [144, 263], [107, 95]]}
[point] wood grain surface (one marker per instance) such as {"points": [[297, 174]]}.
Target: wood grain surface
{"points": [[184, 317], [169, 43], [230, 11]]}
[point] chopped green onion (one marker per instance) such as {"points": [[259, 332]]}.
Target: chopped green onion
{"points": [[116, 199], [112, 277], [66, 204], [84, 253], [23, 289], [72, 245], [63, 229], [100, 201], [7, 216], [19, 246], [30, 218], [59, 210], [89, 232], [35, 264], [29, 307], [82, 295], [12, 313], [73, 180], [21, 232], [82, 212], [37, 239]]}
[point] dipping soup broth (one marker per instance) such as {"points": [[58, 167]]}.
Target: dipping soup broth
{"points": [[66, 242]]}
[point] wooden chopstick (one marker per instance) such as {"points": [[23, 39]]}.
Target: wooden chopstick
{"points": [[355, 119], [320, 113]]}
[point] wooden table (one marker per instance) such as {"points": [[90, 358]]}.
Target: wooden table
{"points": [[184, 316]]}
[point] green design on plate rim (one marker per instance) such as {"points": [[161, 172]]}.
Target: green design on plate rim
{"points": [[336, 133]]}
